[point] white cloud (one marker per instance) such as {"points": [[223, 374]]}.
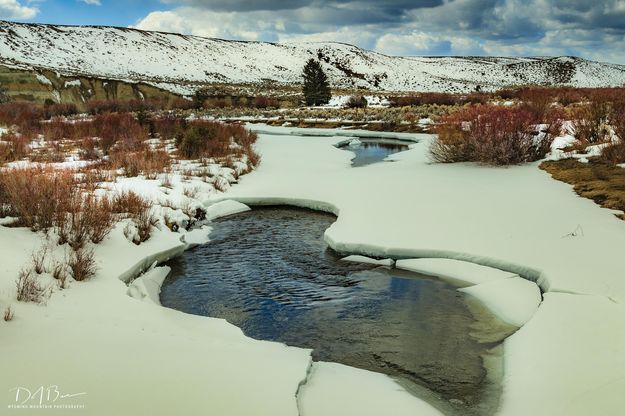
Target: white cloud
{"points": [[227, 25], [92, 2], [459, 27], [12, 9]]}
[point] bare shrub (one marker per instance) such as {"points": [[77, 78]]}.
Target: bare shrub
{"points": [[81, 264], [15, 147], [425, 98], [356, 101], [59, 109], [59, 273], [148, 162], [8, 314], [213, 139], [144, 223], [35, 194], [265, 102], [24, 116], [166, 181], [590, 121], [39, 258], [617, 121], [28, 289], [253, 159], [490, 135], [58, 129], [221, 184], [190, 192], [84, 217], [138, 209], [169, 126], [113, 106], [119, 129], [537, 101], [614, 153], [129, 203]]}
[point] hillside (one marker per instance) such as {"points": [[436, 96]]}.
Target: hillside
{"points": [[179, 63]]}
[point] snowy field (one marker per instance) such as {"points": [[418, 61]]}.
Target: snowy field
{"points": [[495, 229]]}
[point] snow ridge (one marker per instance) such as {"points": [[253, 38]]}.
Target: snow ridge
{"points": [[180, 63]]}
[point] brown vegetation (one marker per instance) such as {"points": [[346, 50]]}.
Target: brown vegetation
{"points": [[8, 314], [602, 182], [138, 210], [81, 264], [492, 135], [28, 289]]}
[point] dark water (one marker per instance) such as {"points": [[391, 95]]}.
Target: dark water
{"points": [[374, 150], [269, 272]]}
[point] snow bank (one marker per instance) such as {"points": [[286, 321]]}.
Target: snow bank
{"points": [[148, 285], [225, 208], [569, 359], [458, 271], [318, 132], [514, 300], [337, 390], [369, 260], [196, 236]]}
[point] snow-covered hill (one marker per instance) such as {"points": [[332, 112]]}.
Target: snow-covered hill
{"points": [[180, 63]]}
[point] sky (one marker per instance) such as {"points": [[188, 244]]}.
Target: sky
{"points": [[586, 28]]}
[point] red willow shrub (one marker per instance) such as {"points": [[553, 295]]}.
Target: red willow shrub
{"points": [[147, 162], [58, 110], [14, 147], [491, 135], [35, 195], [24, 116], [168, 126], [440, 98], [203, 138], [95, 107], [590, 121], [423, 99], [120, 129], [262, 101], [564, 95]]}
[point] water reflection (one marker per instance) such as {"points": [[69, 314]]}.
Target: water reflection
{"points": [[270, 273], [368, 151]]}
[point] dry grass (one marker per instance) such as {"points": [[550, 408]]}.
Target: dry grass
{"points": [[84, 217], [147, 162], [129, 203], [614, 153], [36, 195], [8, 314], [39, 258], [81, 264], [28, 289], [59, 273], [602, 182], [138, 209]]}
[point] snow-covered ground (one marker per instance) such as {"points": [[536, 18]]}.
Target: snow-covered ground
{"points": [[132, 356]]}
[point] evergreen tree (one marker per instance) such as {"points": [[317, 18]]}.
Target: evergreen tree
{"points": [[4, 95], [316, 86]]}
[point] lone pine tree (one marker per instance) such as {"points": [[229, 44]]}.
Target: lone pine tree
{"points": [[316, 86]]}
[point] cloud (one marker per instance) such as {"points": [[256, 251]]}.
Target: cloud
{"points": [[594, 30], [12, 9], [390, 6], [92, 2]]}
